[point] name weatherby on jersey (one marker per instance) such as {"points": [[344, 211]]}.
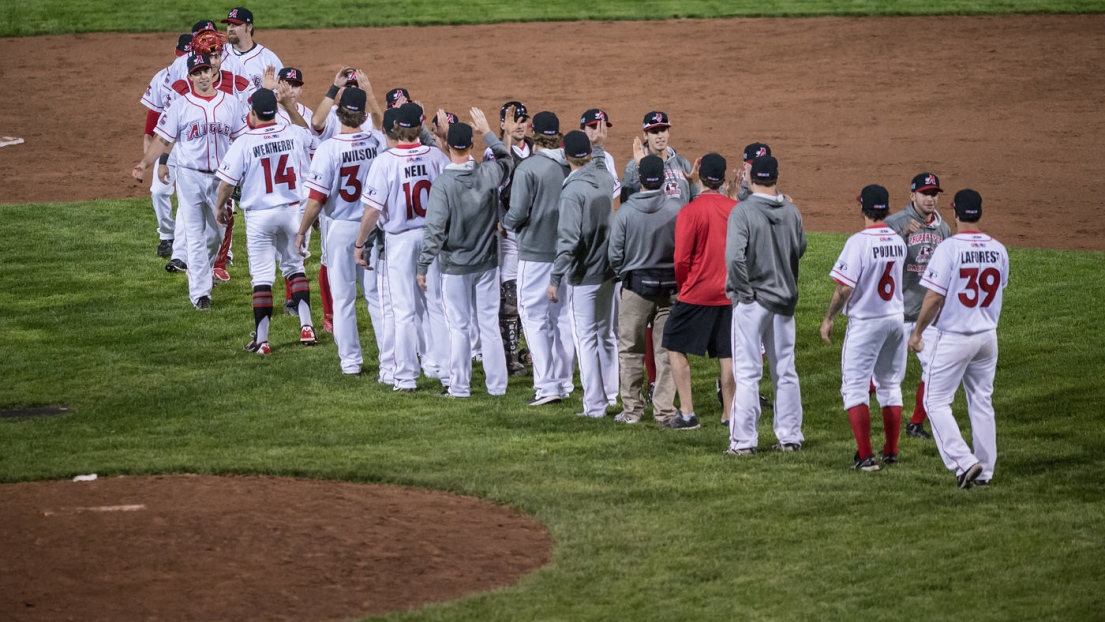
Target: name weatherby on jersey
{"points": [[276, 146]]}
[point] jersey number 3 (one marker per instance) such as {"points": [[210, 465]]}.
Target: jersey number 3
{"points": [[989, 280], [283, 174], [351, 185]]}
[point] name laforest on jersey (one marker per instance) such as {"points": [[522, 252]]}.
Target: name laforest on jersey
{"points": [[358, 155], [979, 257], [200, 130], [277, 146]]}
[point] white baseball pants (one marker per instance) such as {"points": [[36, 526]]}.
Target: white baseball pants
{"points": [[972, 359], [385, 334], [754, 325], [508, 256], [345, 274], [875, 347], [596, 344], [196, 195], [161, 195], [413, 311], [459, 292], [270, 237], [548, 329]]}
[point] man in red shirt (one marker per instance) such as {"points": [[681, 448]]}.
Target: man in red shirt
{"points": [[700, 321]]}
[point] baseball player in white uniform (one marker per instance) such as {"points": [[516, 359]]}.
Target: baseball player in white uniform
{"points": [[201, 125], [336, 182], [155, 99], [252, 57], [965, 278], [268, 162], [325, 122], [395, 195], [868, 277], [589, 124]]}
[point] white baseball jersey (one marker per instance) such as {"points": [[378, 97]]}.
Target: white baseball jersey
{"points": [[970, 270], [333, 126], [871, 264], [307, 114], [268, 162], [202, 128], [398, 185], [614, 172], [158, 95], [253, 63], [338, 172]]}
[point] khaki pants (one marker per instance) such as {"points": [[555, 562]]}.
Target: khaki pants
{"points": [[634, 316]]}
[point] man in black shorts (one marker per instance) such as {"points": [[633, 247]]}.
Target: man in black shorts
{"points": [[700, 321]]}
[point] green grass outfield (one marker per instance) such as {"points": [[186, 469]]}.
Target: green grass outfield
{"points": [[24, 17], [653, 524]]}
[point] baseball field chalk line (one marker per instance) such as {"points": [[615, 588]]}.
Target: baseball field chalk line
{"points": [[100, 508], [10, 140]]}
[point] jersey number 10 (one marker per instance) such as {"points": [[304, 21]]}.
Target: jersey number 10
{"points": [[283, 174], [414, 198]]}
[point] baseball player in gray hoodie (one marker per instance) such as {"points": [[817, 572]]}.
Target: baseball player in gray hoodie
{"points": [[680, 179], [642, 255], [535, 214], [586, 205], [763, 245], [461, 221]]}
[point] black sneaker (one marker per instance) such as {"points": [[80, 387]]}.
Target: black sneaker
{"points": [[984, 483], [917, 430], [867, 464], [750, 451], [165, 248], [651, 388], [766, 404], [542, 400], [888, 458], [967, 478], [176, 265], [203, 304], [291, 307], [447, 395], [679, 423], [787, 447]]}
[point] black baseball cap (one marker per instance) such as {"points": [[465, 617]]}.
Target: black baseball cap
{"points": [[520, 111], [351, 78], [410, 115], [239, 15], [353, 98], [765, 168], [204, 25], [264, 102], [925, 181], [967, 204], [712, 167], [576, 144], [756, 150], [390, 115], [594, 116], [651, 170], [290, 74], [655, 120], [546, 123], [874, 197], [392, 96], [198, 61], [460, 135], [450, 118], [182, 43]]}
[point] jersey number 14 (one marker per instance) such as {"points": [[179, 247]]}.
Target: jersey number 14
{"points": [[284, 175]]}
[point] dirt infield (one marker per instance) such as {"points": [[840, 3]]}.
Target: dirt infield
{"points": [[1006, 105], [249, 548]]}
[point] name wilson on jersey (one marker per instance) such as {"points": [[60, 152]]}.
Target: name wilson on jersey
{"points": [[276, 146], [358, 155]]}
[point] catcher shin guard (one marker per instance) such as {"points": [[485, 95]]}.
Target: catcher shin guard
{"points": [[262, 311], [510, 326], [301, 294]]}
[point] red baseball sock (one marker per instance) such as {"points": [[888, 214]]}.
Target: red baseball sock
{"points": [[871, 388], [919, 414], [860, 418], [287, 290], [892, 424], [650, 361], [324, 293]]}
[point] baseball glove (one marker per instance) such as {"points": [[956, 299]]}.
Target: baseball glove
{"points": [[207, 42]]}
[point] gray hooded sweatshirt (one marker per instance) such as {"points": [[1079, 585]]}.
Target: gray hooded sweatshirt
{"points": [[676, 169], [919, 247], [762, 247], [462, 215], [586, 205], [642, 236], [535, 204]]}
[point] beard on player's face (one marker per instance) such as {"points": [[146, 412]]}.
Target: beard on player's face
{"points": [[925, 203]]}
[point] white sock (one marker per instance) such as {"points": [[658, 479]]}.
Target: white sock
{"points": [[686, 416], [304, 313], [263, 331]]}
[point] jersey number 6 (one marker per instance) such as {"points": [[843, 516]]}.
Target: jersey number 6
{"points": [[414, 198], [283, 175], [886, 282]]}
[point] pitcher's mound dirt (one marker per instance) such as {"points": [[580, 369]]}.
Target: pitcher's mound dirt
{"points": [[249, 548]]}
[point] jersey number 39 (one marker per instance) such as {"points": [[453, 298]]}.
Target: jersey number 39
{"points": [[988, 281], [284, 175]]}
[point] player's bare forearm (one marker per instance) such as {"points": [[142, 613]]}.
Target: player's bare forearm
{"points": [[841, 295], [310, 214], [225, 190], [368, 223], [154, 151]]}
